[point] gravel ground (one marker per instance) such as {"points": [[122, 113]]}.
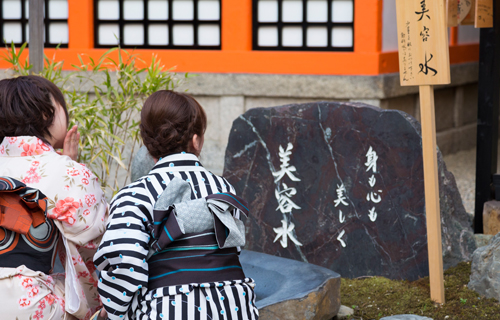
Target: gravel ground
{"points": [[463, 167]]}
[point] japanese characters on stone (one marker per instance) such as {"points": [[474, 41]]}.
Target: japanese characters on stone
{"points": [[374, 196], [284, 195], [286, 190]]}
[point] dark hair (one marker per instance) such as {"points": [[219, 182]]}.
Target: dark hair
{"points": [[27, 108], [169, 120]]}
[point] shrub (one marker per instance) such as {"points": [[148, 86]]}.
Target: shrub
{"points": [[104, 98]]}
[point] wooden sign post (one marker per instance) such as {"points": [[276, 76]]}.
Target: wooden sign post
{"points": [[468, 20], [484, 14], [464, 7], [424, 61], [452, 13]]}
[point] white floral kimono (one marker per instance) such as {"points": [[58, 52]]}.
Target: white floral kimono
{"points": [[77, 205]]}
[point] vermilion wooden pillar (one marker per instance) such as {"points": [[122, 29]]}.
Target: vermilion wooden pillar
{"points": [[236, 25], [81, 24]]}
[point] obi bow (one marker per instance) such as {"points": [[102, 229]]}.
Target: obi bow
{"points": [[175, 214], [20, 206]]}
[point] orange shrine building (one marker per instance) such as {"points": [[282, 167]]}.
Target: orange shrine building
{"points": [[262, 53]]}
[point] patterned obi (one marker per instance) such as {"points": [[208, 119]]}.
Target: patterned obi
{"points": [[27, 237], [195, 241]]}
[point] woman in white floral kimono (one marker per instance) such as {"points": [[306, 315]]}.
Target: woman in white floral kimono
{"points": [[34, 121]]}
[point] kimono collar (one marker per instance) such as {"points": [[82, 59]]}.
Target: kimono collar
{"points": [[23, 146], [182, 159]]}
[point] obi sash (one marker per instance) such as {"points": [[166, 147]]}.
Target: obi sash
{"points": [[195, 241], [27, 237]]}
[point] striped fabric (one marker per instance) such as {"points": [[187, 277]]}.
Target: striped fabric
{"points": [[195, 257], [229, 300], [123, 252]]}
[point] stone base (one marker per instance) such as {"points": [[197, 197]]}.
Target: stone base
{"points": [[482, 239], [292, 290], [405, 317], [345, 313], [491, 217]]}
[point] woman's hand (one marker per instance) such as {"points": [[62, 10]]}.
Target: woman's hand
{"points": [[71, 143], [103, 314]]}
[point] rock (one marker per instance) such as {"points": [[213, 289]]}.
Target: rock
{"points": [[405, 317], [141, 165], [485, 269], [344, 313], [458, 238], [288, 289], [349, 178], [482, 239], [491, 217]]}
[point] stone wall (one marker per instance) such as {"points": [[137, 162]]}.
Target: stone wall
{"points": [[226, 96]]}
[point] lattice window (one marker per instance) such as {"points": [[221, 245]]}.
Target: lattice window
{"points": [[162, 24], [298, 25], [14, 15]]}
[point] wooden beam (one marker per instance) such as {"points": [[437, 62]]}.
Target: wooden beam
{"points": [[36, 35]]}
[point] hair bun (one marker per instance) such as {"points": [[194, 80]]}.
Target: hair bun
{"points": [[169, 120]]}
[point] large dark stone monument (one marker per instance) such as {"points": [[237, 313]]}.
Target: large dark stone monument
{"points": [[340, 185]]}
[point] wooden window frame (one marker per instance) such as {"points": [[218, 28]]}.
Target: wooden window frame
{"points": [[146, 23], [329, 25], [24, 23], [236, 54]]}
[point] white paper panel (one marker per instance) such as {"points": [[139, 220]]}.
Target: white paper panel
{"points": [[317, 11], [208, 35], [58, 9], [389, 27], [11, 9], [292, 37], [12, 31], [183, 35], [158, 10], [183, 10], [27, 9], [268, 11], [108, 34], [342, 11], [342, 37], [317, 37], [292, 11], [133, 10], [108, 10], [133, 34], [208, 10], [58, 33], [268, 36], [158, 35]]}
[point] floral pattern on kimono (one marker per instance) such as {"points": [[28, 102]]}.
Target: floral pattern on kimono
{"points": [[77, 205]]}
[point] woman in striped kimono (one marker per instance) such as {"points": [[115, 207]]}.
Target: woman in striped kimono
{"points": [[195, 276]]}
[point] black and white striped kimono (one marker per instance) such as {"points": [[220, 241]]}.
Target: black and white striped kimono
{"points": [[122, 255]]}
